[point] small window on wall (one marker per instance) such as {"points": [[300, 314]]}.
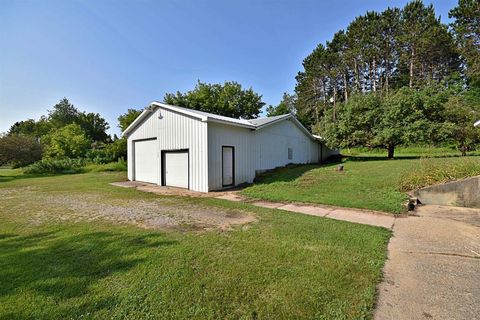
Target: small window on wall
{"points": [[290, 153]]}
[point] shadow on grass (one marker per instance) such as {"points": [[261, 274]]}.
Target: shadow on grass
{"points": [[290, 172], [7, 178], [59, 267]]}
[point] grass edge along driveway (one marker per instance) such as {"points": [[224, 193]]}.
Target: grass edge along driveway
{"points": [[284, 265]]}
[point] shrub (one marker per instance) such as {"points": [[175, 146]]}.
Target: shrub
{"points": [[67, 142], [120, 165], [109, 152], [56, 166], [19, 150]]}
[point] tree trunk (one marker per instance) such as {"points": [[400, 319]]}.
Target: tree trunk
{"points": [[357, 80], [345, 87], [412, 58], [463, 149], [387, 70], [391, 150], [335, 102], [374, 75], [324, 89]]}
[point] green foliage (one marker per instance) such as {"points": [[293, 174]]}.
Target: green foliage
{"points": [[287, 105], [55, 166], [461, 114], [378, 52], [433, 114], [31, 127], [400, 121], [227, 99], [466, 27], [432, 171], [67, 142], [19, 150], [117, 149], [127, 118], [63, 114], [94, 125], [355, 123], [109, 152], [119, 165]]}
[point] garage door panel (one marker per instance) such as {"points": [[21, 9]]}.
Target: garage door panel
{"points": [[146, 161], [176, 169]]}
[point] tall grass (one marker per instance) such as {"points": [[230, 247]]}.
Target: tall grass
{"points": [[434, 171], [69, 166], [120, 165], [55, 166]]}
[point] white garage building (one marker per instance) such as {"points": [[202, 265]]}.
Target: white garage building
{"points": [[179, 147]]}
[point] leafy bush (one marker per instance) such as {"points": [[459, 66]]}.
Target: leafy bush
{"points": [[120, 165], [66, 165], [433, 171], [108, 153], [19, 150], [67, 142]]}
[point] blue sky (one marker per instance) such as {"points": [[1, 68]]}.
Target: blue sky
{"points": [[108, 56]]}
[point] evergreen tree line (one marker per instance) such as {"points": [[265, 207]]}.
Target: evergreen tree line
{"points": [[391, 65]]}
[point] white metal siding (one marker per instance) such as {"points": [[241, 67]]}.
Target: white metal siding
{"points": [[176, 131], [242, 139], [272, 143], [326, 152]]}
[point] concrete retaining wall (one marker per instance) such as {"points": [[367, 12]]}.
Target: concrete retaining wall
{"points": [[462, 193]]}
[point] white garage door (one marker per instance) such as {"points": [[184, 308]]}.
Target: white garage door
{"points": [[176, 169], [146, 161]]}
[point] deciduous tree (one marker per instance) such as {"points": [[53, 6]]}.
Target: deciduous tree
{"points": [[227, 99]]}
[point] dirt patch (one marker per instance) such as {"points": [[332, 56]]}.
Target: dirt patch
{"points": [[162, 213]]}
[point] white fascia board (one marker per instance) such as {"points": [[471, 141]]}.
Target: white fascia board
{"points": [[137, 121], [182, 111]]}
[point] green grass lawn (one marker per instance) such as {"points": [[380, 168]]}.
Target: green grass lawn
{"points": [[59, 262], [367, 182], [408, 152]]}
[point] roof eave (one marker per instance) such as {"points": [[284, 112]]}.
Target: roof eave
{"points": [[230, 123]]}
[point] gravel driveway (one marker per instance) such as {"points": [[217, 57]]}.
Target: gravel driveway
{"points": [[155, 213]]}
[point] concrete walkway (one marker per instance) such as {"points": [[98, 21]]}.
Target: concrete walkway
{"points": [[346, 214], [433, 266]]}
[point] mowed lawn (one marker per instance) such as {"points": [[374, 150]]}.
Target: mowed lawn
{"points": [[73, 246], [367, 182]]}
